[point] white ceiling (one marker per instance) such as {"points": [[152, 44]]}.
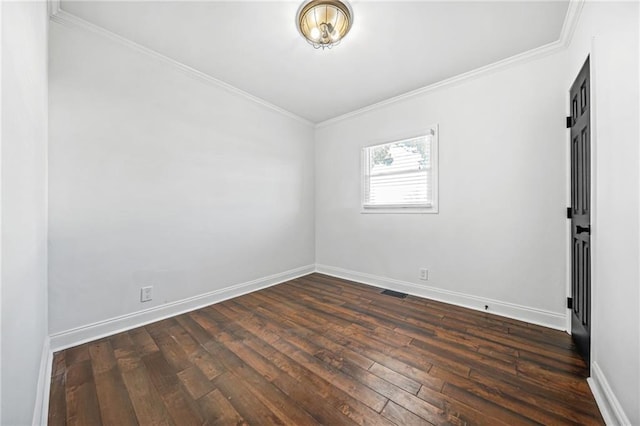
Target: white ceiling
{"points": [[394, 47]]}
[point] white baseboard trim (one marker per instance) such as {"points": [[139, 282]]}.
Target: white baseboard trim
{"points": [[41, 407], [609, 406], [97, 330], [549, 319]]}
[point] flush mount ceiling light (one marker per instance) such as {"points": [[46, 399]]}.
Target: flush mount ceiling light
{"points": [[324, 22]]}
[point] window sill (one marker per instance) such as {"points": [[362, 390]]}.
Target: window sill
{"points": [[399, 210]]}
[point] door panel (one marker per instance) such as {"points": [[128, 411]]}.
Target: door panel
{"points": [[581, 212]]}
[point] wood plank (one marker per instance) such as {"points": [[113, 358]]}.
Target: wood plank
{"points": [[195, 382], [295, 348], [443, 354], [254, 411], [183, 339], [57, 400], [396, 378], [170, 348], [181, 407], [209, 366], [76, 354], [58, 364], [553, 378], [460, 411], [145, 399], [402, 416], [356, 353], [322, 350], [143, 342], [113, 398], [560, 403], [487, 407], [507, 400], [219, 411], [327, 405], [372, 348], [81, 398], [259, 381], [298, 322], [318, 397], [432, 411], [406, 364], [194, 329], [277, 398]]}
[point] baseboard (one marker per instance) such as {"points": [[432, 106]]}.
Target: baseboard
{"points": [[97, 330], [510, 310], [609, 406], [41, 406]]}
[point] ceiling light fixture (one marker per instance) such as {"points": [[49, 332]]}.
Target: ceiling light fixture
{"points": [[324, 22]]}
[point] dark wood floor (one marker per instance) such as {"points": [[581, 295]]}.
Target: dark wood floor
{"points": [[322, 350]]}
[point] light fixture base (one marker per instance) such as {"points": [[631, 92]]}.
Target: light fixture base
{"points": [[324, 23]]}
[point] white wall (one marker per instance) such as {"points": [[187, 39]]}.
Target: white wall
{"points": [[144, 189], [500, 232], [23, 194], [609, 32], [1, 138], [159, 179]]}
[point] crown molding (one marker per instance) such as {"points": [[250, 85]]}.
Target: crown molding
{"points": [[571, 21], [566, 34], [521, 58], [54, 7], [69, 20]]}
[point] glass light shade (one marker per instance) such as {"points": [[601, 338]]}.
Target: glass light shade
{"points": [[324, 22]]}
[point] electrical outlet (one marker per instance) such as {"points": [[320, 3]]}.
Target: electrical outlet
{"points": [[424, 274], [145, 293]]}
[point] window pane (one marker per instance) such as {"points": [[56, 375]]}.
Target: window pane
{"points": [[400, 156], [409, 188], [399, 173]]}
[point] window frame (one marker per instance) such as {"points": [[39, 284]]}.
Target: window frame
{"points": [[401, 209]]}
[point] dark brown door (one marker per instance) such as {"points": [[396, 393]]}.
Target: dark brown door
{"points": [[580, 213]]}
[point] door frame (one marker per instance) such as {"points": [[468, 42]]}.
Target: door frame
{"points": [[593, 193]]}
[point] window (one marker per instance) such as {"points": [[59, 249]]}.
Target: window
{"points": [[401, 176]]}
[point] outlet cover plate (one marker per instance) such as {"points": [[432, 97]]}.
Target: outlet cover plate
{"points": [[145, 294], [424, 274]]}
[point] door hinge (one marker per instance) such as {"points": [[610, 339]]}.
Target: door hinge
{"points": [[569, 213], [569, 122], [569, 302]]}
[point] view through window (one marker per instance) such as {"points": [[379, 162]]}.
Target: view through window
{"points": [[401, 174]]}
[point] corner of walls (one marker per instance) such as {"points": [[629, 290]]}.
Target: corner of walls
{"points": [[571, 21], [471, 245], [212, 213], [315, 196], [53, 7], [608, 33], [497, 307], [72, 21], [23, 285], [97, 330], [1, 139], [41, 407]]}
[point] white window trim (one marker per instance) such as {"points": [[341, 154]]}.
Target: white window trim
{"points": [[406, 209]]}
